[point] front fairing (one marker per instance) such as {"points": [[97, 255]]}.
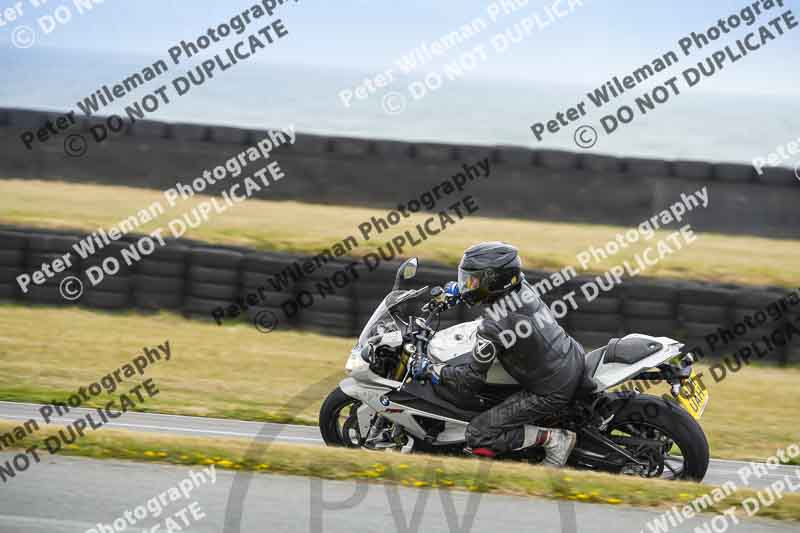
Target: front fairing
{"points": [[386, 327]]}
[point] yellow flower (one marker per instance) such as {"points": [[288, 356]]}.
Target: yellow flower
{"points": [[263, 466], [447, 482], [614, 500], [402, 466], [161, 454], [148, 453], [582, 496], [184, 457], [567, 478], [420, 483], [208, 461], [225, 463]]}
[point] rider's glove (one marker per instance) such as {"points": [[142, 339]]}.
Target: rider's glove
{"points": [[424, 370], [451, 289]]}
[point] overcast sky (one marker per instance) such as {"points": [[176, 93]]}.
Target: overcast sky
{"points": [[596, 41]]}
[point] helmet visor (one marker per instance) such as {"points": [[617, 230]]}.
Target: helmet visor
{"points": [[469, 285]]}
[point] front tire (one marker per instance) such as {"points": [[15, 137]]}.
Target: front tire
{"points": [[337, 423]]}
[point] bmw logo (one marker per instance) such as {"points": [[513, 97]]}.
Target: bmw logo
{"points": [[385, 401]]}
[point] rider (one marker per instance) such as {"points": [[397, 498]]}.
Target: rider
{"points": [[519, 330]]}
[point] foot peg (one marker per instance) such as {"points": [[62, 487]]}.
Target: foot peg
{"points": [[481, 452]]}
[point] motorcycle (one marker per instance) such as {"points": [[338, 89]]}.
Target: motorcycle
{"points": [[379, 407]]}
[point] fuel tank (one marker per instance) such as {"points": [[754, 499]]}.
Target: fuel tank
{"points": [[454, 346]]}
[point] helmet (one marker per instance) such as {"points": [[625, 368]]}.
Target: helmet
{"points": [[488, 271]]}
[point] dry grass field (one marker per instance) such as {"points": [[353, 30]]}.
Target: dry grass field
{"points": [[309, 228]]}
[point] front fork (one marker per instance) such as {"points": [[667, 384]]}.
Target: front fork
{"points": [[402, 366]]}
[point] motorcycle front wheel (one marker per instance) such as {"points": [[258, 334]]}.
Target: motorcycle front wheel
{"points": [[338, 421]]}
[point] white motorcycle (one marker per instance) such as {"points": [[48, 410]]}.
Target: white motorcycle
{"points": [[379, 407]]}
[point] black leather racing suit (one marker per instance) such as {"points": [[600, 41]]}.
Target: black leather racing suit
{"points": [[520, 332]]}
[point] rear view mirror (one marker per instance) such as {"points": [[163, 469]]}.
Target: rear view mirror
{"points": [[406, 272]]}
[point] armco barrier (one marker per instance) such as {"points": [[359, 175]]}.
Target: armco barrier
{"points": [[194, 278], [529, 184]]}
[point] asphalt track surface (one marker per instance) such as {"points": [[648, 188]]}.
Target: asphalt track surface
{"points": [[64, 494], [73, 495]]}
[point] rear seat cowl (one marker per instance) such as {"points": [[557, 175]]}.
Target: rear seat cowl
{"points": [[630, 350]]}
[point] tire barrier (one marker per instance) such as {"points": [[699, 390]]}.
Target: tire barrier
{"points": [[194, 278], [526, 183], [650, 309]]}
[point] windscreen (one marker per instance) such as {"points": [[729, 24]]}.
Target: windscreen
{"points": [[402, 303], [380, 322]]}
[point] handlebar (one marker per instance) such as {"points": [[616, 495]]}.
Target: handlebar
{"points": [[420, 332], [444, 300]]}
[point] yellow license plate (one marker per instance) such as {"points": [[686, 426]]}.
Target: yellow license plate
{"points": [[693, 396]]}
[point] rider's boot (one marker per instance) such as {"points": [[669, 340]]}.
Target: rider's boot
{"points": [[558, 446], [557, 443]]}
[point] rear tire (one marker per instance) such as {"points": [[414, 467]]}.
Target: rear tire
{"points": [[669, 418]]}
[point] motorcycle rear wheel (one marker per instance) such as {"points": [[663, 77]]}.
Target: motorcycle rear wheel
{"points": [[651, 417]]}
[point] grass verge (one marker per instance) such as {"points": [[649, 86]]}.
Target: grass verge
{"points": [[216, 371], [233, 371], [408, 470], [309, 228]]}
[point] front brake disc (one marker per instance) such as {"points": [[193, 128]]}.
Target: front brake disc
{"points": [[350, 432]]}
